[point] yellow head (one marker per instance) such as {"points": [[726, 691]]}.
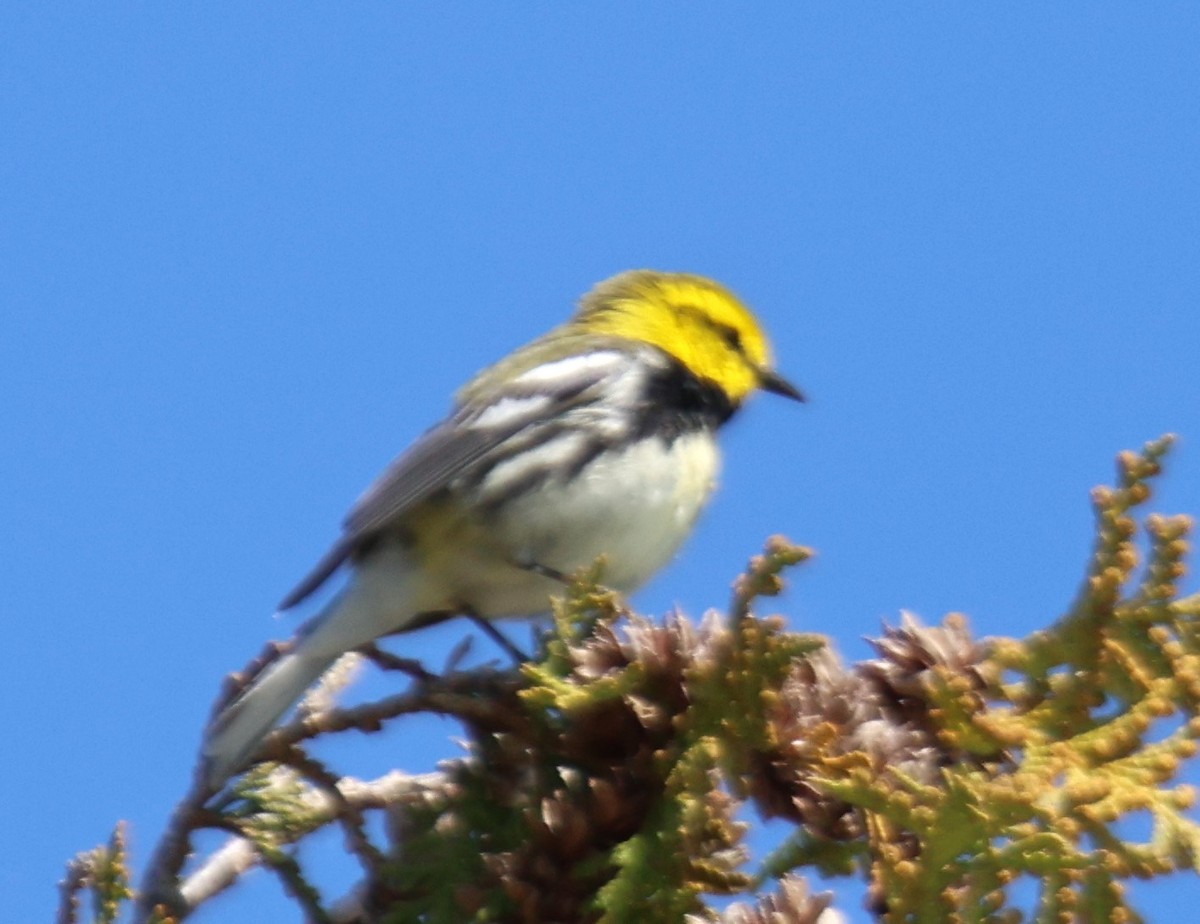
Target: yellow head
{"points": [[697, 321]]}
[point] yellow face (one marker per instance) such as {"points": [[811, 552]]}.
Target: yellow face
{"points": [[697, 321]]}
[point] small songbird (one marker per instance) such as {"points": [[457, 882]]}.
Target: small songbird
{"points": [[597, 439]]}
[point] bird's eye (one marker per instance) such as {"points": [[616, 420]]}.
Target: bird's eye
{"points": [[732, 337]]}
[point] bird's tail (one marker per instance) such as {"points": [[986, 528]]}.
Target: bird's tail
{"points": [[240, 727], [365, 611]]}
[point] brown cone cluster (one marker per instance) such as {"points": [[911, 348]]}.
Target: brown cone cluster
{"points": [[559, 797], [878, 717], [793, 903]]}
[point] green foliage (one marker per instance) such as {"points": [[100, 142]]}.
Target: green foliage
{"points": [[271, 805], [1070, 731]]}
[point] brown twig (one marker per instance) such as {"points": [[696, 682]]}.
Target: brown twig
{"points": [[285, 867], [475, 696], [160, 882], [238, 682], [79, 870], [345, 811], [386, 661]]}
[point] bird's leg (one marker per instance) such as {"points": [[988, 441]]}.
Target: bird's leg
{"points": [[534, 567], [553, 574], [519, 657], [387, 661]]}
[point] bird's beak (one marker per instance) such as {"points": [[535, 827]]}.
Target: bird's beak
{"points": [[772, 381]]}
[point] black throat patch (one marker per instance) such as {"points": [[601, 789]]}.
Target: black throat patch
{"points": [[677, 402]]}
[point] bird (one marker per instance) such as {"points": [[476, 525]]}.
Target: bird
{"points": [[597, 440]]}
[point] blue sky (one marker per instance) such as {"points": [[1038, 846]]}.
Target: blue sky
{"points": [[248, 254]]}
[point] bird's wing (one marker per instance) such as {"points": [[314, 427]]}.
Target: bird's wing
{"points": [[427, 466], [453, 446]]}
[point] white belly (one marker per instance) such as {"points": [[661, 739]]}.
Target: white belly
{"points": [[635, 509]]}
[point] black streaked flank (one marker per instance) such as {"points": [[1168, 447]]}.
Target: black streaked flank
{"points": [[673, 403]]}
